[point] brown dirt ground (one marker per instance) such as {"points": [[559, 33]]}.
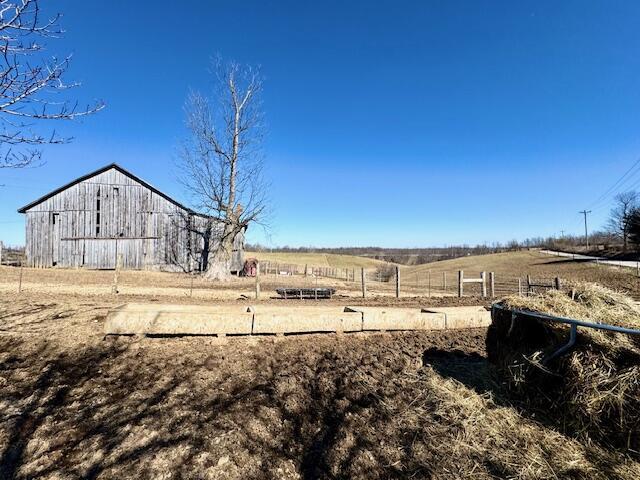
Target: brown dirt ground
{"points": [[402, 405]]}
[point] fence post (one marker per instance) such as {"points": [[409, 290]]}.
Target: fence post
{"points": [[20, 278], [397, 282], [557, 283], [519, 286], [1, 252], [114, 287], [258, 280], [492, 284], [306, 272], [528, 284], [483, 278], [364, 283], [444, 281], [460, 283], [429, 282]]}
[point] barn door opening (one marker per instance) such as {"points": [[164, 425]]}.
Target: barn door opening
{"points": [[55, 239]]}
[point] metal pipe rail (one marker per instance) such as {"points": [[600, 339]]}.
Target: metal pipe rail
{"points": [[573, 333]]}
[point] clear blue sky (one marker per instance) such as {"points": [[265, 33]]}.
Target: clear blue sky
{"points": [[390, 123]]}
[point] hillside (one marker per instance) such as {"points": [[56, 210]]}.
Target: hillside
{"points": [[511, 265], [318, 259]]}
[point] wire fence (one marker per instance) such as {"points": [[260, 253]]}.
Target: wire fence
{"points": [[275, 280], [11, 256], [398, 281]]}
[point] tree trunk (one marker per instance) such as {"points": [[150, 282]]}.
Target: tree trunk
{"points": [[219, 266]]}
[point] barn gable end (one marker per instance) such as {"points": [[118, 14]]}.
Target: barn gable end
{"points": [[90, 221]]}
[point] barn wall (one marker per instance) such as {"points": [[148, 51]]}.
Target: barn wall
{"points": [[70, 229]]}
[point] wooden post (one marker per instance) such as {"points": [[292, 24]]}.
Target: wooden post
{"points": [[483, 277], [528, 284], [306, 267], [460, 283], [116, 274], [397, 282], [429, 282], [1, 245], [492, 284], [258, 280], [444, 281], [556, 283], [364, 283], [20, 277], [519, 286]]}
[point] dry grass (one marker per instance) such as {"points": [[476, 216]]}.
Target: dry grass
{"points": [[318, 259], [595, 388], [511, 265]]}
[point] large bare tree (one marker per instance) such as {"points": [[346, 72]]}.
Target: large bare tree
{"points": [[221, 162], [625, 204], [31, 85]]}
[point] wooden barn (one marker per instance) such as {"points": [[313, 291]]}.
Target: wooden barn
{"points": [[91, 220]]}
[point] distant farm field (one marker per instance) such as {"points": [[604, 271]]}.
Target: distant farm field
{"points": [[512, 265], [318, 259]]}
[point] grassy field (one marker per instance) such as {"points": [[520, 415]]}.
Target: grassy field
{"points": [[511, 265], [318, 259]]}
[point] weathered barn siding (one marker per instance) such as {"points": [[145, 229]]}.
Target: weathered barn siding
{"points": [[93, 220]]}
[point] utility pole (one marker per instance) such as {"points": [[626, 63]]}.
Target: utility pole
{"points": [[586, 232]]}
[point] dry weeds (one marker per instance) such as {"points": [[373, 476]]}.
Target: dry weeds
{"points": [[594, 390]]}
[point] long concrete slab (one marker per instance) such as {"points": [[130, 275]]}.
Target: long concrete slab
{"points": [[158, 319], [276, 319], [462, 317], [392, 318]]}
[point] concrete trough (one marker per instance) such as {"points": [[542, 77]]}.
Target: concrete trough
{"points": [[154, 319], [158, 319], [392, 318], [462, 317], [280, 320]]}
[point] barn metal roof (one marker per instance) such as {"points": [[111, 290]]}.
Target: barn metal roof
{"points": [[97, 172]]}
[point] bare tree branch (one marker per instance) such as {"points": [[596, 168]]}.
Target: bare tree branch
{"points": [[626, 203], [221, 161], [29, 84]]}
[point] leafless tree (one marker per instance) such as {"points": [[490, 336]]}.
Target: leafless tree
{"points": [[222, 160], [31, 84], [619, 218]]}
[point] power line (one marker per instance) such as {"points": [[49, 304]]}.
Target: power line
{"points": [[618, 183]]}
